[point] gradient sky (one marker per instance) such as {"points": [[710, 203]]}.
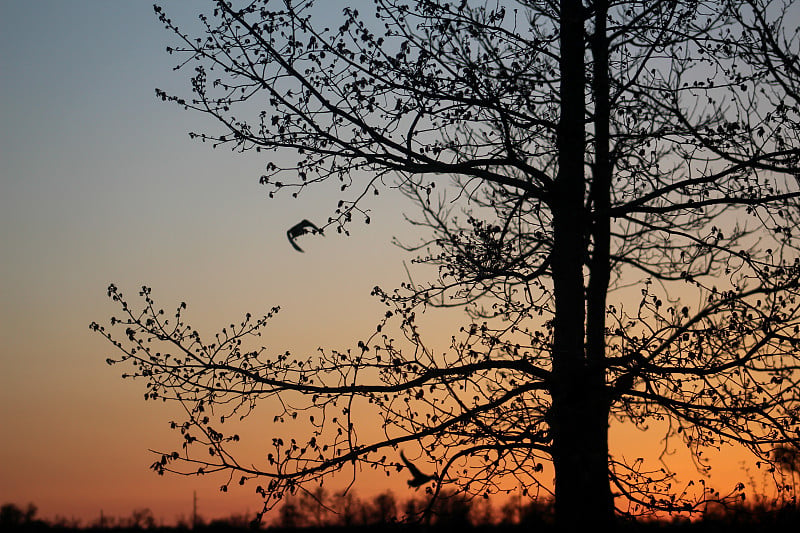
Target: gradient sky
{"points": [[100, 183]]}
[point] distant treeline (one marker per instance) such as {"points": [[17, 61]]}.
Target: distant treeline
{"points": [[319, 511]]}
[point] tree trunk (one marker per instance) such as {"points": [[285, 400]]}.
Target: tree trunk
{"points": [[579, 412]]}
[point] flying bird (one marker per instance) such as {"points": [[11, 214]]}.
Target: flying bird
{"points": [[418, 478], [301, 228]]}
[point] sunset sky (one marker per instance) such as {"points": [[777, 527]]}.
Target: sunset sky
{"points": [[100, 183]]}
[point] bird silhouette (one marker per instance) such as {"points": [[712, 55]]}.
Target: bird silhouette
{"points": [[418, 478], [301, 228]]}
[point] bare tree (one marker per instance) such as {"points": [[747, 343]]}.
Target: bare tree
{"points": [[559, 154], [787, 458]]}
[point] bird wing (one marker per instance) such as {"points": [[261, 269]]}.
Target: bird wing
{"points": [[291, 241], [411, 468], [301, 228], [294, 232]]}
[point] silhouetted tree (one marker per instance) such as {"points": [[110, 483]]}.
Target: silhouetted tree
{"points": [[452, 510], [532, 514], [787, 466], [314, 504], [12, 516], [413, 509], [383, 509], [140, 519], [348, 508], [236, 521], [290, 515], [482, 512], [556, 151], [787, 458]]}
